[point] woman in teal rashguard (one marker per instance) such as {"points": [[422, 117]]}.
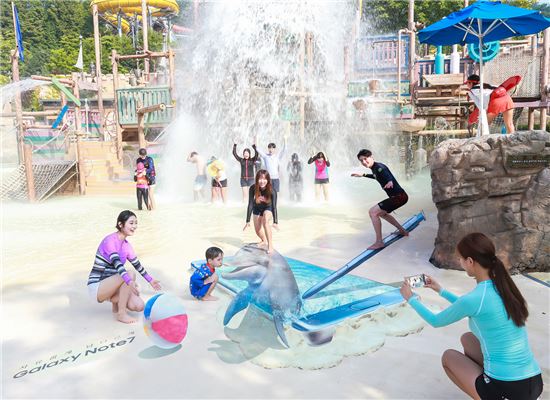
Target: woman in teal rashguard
{"points": [[497, 362]]}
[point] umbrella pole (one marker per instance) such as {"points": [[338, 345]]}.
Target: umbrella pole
{"points": [[481, 105], [483, 125]]}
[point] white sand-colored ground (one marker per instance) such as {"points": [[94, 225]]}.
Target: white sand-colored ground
{"points": [[75, 349]]}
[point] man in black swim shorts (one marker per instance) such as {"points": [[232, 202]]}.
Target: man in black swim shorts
{"points": [[397, 197]]}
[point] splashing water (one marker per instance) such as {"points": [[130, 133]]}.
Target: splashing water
{"points": [[8, 92], [245, 73], [247, 66]]}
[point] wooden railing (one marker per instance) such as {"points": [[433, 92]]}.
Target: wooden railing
{"points": [[129, 99], [427, 67], [376, 57], [378, 54]]}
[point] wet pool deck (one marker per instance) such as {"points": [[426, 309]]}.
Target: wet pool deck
{"points": [[46, 315]]}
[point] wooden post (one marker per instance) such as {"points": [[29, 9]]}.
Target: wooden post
{"points": [[63, 104], [67, 144], [196, 14], [531, 118], [144, 21], [141, 127], [80, 161], [27, 149], [544, 81], [97, 45], [346, 66], [67, 82], [354, 34], [150, 54], [141, 132], [18, 108], [49, 113], [465, 48], [534, 45], [399, 66], [77, 115], [78, 132], [171, 76], [141, 111], [309, 50], [412, 48], [15, 78], [114, 63], [302, 97]]}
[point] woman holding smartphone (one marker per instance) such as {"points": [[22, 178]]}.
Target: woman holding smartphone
{"points": [[497, 361]]}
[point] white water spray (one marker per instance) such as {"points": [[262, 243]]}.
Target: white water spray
{"points": [[243, 76], [8, 92]]}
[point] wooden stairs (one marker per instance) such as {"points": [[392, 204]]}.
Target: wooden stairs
{"points": [[105, 175]]}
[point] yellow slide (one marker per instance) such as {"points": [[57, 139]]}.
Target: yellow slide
{"points": [[158, 7], [113, 19]]}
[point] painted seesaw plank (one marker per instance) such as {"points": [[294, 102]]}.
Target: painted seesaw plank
{"points": [[409, 225]]}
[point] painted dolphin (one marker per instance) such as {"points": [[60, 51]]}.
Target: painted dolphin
{"points": [[271, 286]]}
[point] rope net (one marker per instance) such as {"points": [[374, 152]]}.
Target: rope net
{"points": [[518, 61], [46, 176]]}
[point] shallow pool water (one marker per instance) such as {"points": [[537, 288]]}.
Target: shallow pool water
{"points": [[345, 290]]}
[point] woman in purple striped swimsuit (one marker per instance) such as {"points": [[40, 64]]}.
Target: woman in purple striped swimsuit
{"points": [[109, 280]]}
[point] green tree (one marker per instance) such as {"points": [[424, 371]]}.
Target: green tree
{"points": [[43, 24], [123, 45], [62, 59], [388, 16], [543, 7], [186, 14], [5, 61]]}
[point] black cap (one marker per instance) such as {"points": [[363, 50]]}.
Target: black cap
{"points": [[473, 79]]}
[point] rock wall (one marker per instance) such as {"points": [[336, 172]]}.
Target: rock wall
{"points": [[477, 189]]}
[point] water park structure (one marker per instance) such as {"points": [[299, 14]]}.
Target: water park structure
{"points": [[129, 109], [320, 315], [381, 73]]}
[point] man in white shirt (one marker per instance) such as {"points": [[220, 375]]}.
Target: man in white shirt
{"points": [[272, 161]]}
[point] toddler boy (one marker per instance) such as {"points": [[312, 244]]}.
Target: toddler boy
{"points": [[204, 279]]}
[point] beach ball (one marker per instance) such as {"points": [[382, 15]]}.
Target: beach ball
{"points": [[165, 320]]}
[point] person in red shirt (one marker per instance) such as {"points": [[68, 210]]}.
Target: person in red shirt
{"points": [[499, 102]]}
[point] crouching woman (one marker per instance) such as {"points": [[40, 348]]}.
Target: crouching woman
{"points": [[109, 280], [497, 361]]}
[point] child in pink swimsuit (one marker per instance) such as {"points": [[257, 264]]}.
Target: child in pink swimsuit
{"points": [[321, 175], [142, 186]]}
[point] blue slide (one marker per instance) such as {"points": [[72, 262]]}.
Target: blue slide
{"points": [[60, 116], [409, 225]]}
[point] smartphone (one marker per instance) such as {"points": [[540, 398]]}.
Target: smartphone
{"points": [[416, 281]]}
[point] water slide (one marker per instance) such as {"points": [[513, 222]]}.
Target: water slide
{"points": [[158, 8], [110, 9], [113, 19], [409, 225]]}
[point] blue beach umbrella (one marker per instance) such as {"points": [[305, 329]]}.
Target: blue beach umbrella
{"points": [[483, 21]]}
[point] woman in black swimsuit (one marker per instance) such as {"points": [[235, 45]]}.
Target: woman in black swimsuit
{"points": [[247, 168], [262, 202]]}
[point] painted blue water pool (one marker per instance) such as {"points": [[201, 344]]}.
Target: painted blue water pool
{"points": [[349, 296]]}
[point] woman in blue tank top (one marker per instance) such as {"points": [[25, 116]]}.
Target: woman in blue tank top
{"points": [[497, 362]]}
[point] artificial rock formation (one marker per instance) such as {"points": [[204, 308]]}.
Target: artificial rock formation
{"points": [[482, 185]]}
